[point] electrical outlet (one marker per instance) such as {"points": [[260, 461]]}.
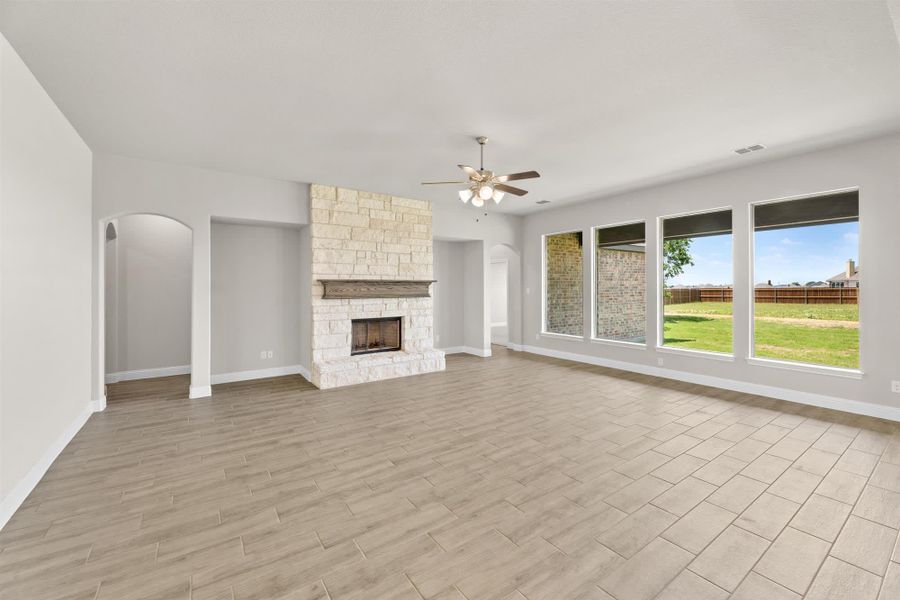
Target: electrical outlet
{"points": [[537, 336], [895, 387], [659, 362], [262, 355], [270, 354], [437, 338]]}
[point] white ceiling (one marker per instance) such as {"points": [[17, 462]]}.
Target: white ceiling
{"points": [[597, 96]]}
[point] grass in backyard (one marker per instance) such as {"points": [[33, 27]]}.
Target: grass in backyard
{"points": [[828, 312], [833, 346]]}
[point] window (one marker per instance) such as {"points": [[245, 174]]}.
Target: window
{"points": [[620, 302], [807, 280], [563, 299], [697, 282]]}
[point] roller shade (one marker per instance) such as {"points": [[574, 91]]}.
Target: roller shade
{"points": [[634, 233], [835, 208], [700, 225]]}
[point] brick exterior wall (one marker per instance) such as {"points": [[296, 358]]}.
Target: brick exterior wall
{"points": [[362, 235], [564, 284], [621, 294]]}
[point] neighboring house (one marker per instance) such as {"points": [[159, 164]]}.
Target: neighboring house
{"points": [[848, 279], [816, 284]]}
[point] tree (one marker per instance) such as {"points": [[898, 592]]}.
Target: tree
{"points": [[676, 256]]}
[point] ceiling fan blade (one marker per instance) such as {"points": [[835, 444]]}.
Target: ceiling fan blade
{"points": [[510, 189], [473, 173], [444, 182], [515, 176]]}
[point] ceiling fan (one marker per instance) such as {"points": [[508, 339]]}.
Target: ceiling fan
{"points": [[484, 185]]}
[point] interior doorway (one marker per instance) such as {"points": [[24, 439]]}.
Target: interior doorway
{"points": [[147, 301], [499, 280]]}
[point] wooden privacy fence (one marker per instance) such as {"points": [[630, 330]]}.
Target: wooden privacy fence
{"points": [[787, 295]]}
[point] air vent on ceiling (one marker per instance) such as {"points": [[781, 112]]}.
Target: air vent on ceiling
{"points": [[749, 149], [542, 202]]}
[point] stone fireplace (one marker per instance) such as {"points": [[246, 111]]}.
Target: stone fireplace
{"points": [[381, 246]]}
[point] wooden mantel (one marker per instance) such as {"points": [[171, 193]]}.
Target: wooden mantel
{"points": [[376, 288]]}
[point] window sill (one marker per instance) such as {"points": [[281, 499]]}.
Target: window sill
{"points": [[697, 353], [805, 368], [620, 343], [562, 336]]}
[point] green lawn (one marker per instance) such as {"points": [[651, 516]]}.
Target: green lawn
{"points": [[833, 346], [829, 312]]}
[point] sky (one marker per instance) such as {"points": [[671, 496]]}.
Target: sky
{"points": [[798, 254]]}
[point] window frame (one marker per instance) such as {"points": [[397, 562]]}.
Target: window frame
{"points": [[660, 288], [594, 338], [780, 363], [552, 334]]}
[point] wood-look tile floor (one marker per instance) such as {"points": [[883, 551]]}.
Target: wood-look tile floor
{"points": [[510, 478]]}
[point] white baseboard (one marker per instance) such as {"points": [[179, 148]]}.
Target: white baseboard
{"points": [[147, 373], [484, 353], [852, 406], [260, 374], [99, 404], [11, 503], [516, 347], [200, 391]]}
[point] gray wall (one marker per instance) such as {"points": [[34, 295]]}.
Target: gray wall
{"points": [[870, 165], [305, 304], [449, 313], [45, 281], [256, 297], [476, 297], [150, 283]]}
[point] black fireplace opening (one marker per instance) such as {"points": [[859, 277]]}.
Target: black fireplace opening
{"points": [[381, 334]]}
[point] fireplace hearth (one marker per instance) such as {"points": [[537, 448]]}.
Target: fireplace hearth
{"points": [[382, 334]]}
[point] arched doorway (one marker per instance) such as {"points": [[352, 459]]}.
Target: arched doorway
{"points": [[504, 285], [147, 304]]}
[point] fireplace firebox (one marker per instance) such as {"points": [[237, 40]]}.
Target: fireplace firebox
{"points": [[382, 334]]}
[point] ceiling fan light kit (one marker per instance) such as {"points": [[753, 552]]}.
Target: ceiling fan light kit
{"points": [[484, 185]]}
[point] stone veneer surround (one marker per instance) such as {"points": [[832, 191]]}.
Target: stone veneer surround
{"points": [[362, 235]]}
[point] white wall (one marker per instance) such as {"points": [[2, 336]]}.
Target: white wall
{"points": [[454, 220], [45, 281], [256, 297], [193, 196], [870, 165], [151, 280]]}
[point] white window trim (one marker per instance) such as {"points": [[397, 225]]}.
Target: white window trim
{"points": [[543, 332], [620, 343], [561, 336], [790, 365], [722, 356], [660, 287], [594, 338], [786, 364]]}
